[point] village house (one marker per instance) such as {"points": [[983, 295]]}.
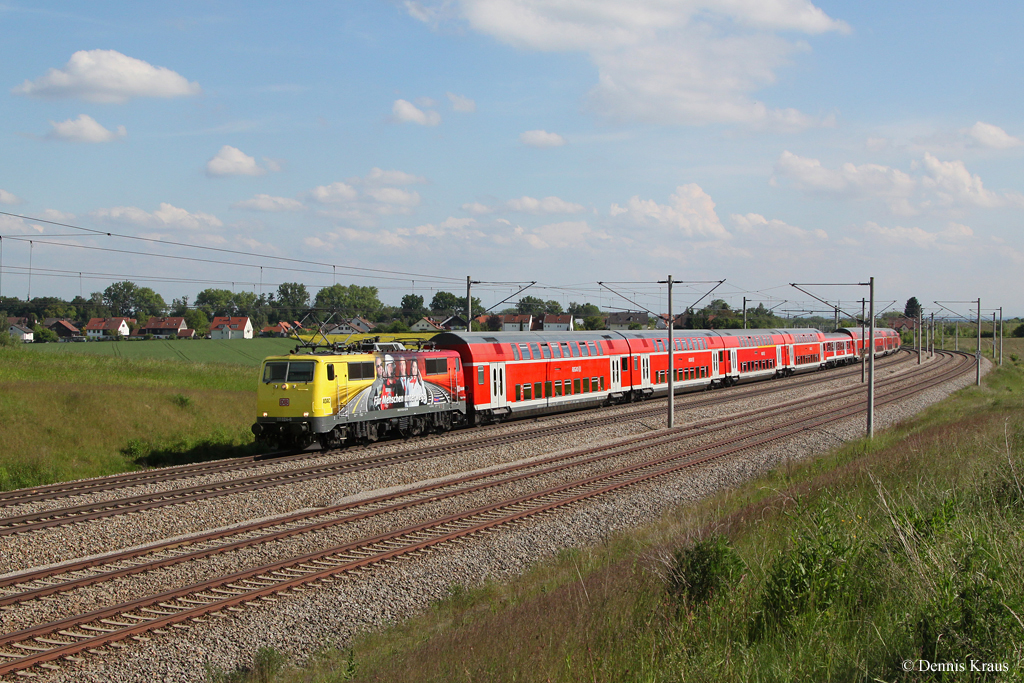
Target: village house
{"points": [[64, 329], [557, 323], [109, 328], [21, 333], [426, 325], [229, 327], [621, 320], [517, 323], [163, 328]]}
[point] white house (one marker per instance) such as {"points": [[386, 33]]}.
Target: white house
{"points": [[22, 334], [426, 325], [104, 328], [231, 328], [558, 323]]}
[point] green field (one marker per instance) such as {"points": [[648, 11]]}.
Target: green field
{"points": [[72, 415]]}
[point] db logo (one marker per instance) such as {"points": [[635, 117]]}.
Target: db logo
{"points": [[284, 402]]}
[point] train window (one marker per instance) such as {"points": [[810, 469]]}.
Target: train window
{"points": [[574, 350], [330, 372], [479, 374], [301, 371], [437, 366], [586, 384], [558, 387], [536, 350], [275, 372], [576, 386], [636, 363], [525, 350], [625, 364], [593, 349], [566, 352], [548, 392], [527, 392], [360, 371], [519, 392], [601, 380], [515, 351], [556, 350], [536, 390], [584, 351], [545, 351]]}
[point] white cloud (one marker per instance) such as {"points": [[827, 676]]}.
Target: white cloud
{"points": [[478, 209], [992, 137], [546, 205], [275, 165], [541, 139], [757, 226], [378, 176], [954, 184], [460, 228], [868, 180], [407, 112], [461, 103], [394, 196], [574, 234], [691, 214], [84, 129], [233, 161], [107, 76], [265, 202], [945, 239], [689, 62], [333, 193], [9, 198], [58, 216], [167, 216]]}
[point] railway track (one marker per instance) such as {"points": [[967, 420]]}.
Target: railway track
{"points": [[68, 638], [28, 522]]}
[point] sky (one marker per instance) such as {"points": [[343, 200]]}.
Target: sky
{"points": [[408, 145]]}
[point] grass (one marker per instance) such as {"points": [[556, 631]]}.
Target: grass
{"points": [[70, 416], [907, 548]]}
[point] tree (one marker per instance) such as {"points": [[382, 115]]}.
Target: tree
{"points": [[412, 304], [196, 320], [552, 307], [349, 301], [493, 323], [179, 307], [292, 300], [119, 298], [593, 322], [444, 302], [530, 305], [146, 303], [583, 310], [43, 334], [913, 308], [215, 302]]}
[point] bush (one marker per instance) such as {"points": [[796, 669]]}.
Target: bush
{"points": [[6, 339], [699, 571], [1019, 332]]}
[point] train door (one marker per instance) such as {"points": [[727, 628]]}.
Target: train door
{"points": [[733, 365], [778, 357], [645, 370], [616, 374], [714, 363], [499, 399]]}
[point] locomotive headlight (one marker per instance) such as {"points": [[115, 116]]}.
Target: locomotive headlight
{"points": [[284, 386], [305, 415], [264, 414]]}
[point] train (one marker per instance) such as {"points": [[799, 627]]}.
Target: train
{"points": [[343, 394]]}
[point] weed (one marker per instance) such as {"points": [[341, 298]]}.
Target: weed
{"points": [[266, 665], [181, 400], [699, 571]]}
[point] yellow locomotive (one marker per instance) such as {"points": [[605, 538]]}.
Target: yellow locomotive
{"points": [[337, 395]]}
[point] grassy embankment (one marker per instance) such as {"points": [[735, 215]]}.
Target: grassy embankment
{"points": [[840, 569], [73, 415]]}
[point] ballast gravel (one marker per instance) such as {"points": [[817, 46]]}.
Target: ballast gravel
{"points": [[299, 624]]}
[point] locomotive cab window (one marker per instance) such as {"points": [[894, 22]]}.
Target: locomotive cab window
{"points": [[437, 366], [330, 372], [360, 370], [301, 371]]}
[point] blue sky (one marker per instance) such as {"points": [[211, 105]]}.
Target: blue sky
{"points": [[564, 141]]}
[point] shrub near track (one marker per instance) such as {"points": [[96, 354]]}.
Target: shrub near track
{"points": [[73, 416], [838, 569]]}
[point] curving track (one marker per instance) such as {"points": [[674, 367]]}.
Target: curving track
{"points": [[585, 474]]}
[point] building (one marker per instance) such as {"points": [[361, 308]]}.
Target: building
{"points": [[903, 324], [65, 330], [281, 329], [557, 323], [108, 328], [21, 333], [517, 323], [231, 328], [621, 320], [454, 322], [163, 328], [355, 325], [426, 325]]}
